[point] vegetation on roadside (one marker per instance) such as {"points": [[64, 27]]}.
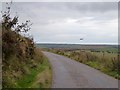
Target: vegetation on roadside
{"points": [[24, 65], [105, 61], [37, 77], [32, 73]]}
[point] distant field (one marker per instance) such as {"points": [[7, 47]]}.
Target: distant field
{"points": [[108, 48]]}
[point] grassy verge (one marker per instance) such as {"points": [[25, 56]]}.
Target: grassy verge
{"points": [[103, 69], [39, 77], [30, 73]]}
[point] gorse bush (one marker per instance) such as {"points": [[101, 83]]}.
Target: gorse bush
{"points": [[12, 41]]}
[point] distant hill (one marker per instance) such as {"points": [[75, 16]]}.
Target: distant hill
{"points": [[113, 48]]}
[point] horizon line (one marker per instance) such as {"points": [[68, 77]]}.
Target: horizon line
{"points": [[77, 43]]}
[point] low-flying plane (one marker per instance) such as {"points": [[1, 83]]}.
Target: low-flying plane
{"points": [[81, 38]]}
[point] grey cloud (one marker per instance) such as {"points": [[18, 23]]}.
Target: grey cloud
{"points": [[93, 20], [45, 13], [80, 6], [94, 6]]}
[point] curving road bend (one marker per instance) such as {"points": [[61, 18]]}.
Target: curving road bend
{"points": [[68, 73]]}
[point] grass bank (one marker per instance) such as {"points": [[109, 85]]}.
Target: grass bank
{"points": [[36, 73], [23, 65]]}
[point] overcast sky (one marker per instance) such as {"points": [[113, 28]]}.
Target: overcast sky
{"points": [[60, 22]]}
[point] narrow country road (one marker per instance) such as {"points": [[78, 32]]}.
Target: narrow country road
{"points": [[68, 73]]}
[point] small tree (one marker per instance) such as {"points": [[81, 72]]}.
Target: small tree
{"points": [[11, 29]]}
